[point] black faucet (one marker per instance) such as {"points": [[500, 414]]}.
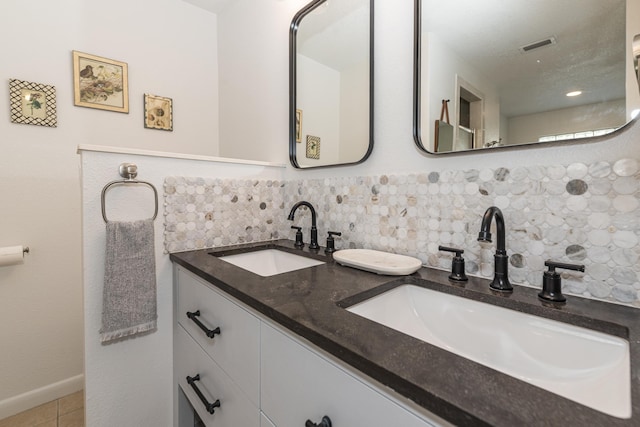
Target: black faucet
{"points": [[501, 259], [314, 231]]}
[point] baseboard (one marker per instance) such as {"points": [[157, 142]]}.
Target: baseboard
{"points": [[33, 398]]}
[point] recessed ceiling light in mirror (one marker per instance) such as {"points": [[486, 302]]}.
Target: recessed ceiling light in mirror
{"points": [[574, 93]]}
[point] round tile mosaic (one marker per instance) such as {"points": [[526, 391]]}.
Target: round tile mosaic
{"points": [[577, 213]]}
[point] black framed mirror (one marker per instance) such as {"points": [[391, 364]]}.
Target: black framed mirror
{"points": [[331, 83], [520, 72]]}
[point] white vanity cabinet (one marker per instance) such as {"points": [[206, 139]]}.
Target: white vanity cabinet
{"points": [[297, 384], [263, 375]]}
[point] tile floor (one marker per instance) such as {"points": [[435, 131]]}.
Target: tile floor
{"points": [[68, 411]]}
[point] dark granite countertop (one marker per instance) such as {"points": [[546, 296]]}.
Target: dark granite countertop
{"points": [[308, 303]]}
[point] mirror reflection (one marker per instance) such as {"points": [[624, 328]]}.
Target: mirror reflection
{"points": [[494, 73], [331, 97]]}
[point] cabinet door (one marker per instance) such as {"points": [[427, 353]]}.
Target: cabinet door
{"points": [[237, 348], [299, 385], [235, 408]]}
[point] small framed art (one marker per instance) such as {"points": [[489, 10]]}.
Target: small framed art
{"points": [[32, 103], [298, 125], [158, 112], [313, 147], [100, 83]]}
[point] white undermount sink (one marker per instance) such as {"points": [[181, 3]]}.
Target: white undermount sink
{"points": [[269, 262], [582, 365]]}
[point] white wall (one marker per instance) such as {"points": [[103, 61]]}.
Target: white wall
{"points": [[170, 48], [129, 383], [331, 102], [253, 54], [354, 132], [318, 95], [523, 129]]}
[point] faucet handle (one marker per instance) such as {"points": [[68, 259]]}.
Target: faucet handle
{"points": [[457, 265], [552, 282], [331, 247], [553, 265], [299, 243]]}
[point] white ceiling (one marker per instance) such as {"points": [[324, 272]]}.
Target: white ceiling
{"points": [[336, 35], [589, 54]]}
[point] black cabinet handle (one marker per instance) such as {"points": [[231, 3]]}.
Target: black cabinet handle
{"points": [[210, 407], [326, 422], [210, 332]]}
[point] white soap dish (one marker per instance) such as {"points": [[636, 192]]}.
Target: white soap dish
{"points": [[377, 261]]}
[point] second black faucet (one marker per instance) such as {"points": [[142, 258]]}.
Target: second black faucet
{"points": [[501, 259]]}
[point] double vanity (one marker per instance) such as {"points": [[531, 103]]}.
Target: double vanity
{"points": [[303, 339], [317, 343]]}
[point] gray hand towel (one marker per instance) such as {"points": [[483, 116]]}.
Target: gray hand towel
{"points": [[129, 295]]}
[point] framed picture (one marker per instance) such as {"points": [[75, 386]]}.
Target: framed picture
{"points": [[100, 83], [158, 112], [32, 103], [313, 147], [298, 125]]}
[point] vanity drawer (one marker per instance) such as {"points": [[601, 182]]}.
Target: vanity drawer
{"points": [[236, 349], [235, 408], [299, 385]]}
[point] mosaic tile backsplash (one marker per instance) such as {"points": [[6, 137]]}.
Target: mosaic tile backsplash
{"points": [[576, 213], [206, 213]]}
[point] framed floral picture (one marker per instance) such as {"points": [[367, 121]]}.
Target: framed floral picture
{"points": [[32, 103], [158, 112], [100, 83]]}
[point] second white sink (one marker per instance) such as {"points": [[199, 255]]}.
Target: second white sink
{"points": [[582, 365], [269, 262]]}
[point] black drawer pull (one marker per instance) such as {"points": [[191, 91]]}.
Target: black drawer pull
{"points": [[326, 422], [210, 332], [210, 407]]}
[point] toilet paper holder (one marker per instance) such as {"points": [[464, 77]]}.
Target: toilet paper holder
{"points": [[25, 249], [12, 255]]}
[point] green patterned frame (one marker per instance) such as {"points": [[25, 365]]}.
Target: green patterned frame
{"points": [[313, 147], [29, 113]]}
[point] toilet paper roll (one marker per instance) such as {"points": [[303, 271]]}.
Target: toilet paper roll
{"points": [[11, 255]]}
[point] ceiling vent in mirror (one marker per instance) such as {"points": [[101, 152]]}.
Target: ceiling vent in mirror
{"points": [[536, 45]]}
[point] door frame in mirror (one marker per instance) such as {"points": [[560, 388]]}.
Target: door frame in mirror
{"points": [[293, 29]]}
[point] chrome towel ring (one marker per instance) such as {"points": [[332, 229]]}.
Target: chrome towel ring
{"points": [[128, 171]]}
